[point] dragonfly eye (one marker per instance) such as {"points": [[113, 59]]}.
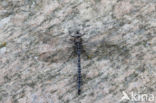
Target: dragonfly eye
{"points": [[77, 32]]}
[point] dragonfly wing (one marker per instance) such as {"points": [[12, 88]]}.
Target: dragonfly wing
{"points": [[104, 48], [90, 48], [54, 56]]}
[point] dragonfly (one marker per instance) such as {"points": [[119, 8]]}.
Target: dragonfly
{"points": [[76, 50], [95, 48]]}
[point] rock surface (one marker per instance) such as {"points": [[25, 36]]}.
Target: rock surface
{"points": [[35, 49]]}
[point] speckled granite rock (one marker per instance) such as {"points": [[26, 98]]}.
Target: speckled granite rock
{"points": [[120, 38]]}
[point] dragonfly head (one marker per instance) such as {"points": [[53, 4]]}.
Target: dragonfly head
{"points": [[77, 37]]}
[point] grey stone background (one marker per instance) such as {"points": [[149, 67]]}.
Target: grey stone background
{"points": [[35, 62]]}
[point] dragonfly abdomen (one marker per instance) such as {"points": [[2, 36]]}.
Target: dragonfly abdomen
{"points": [[79, 67]]}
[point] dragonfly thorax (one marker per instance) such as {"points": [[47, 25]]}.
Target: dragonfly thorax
{"points": [[77, 39]]}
